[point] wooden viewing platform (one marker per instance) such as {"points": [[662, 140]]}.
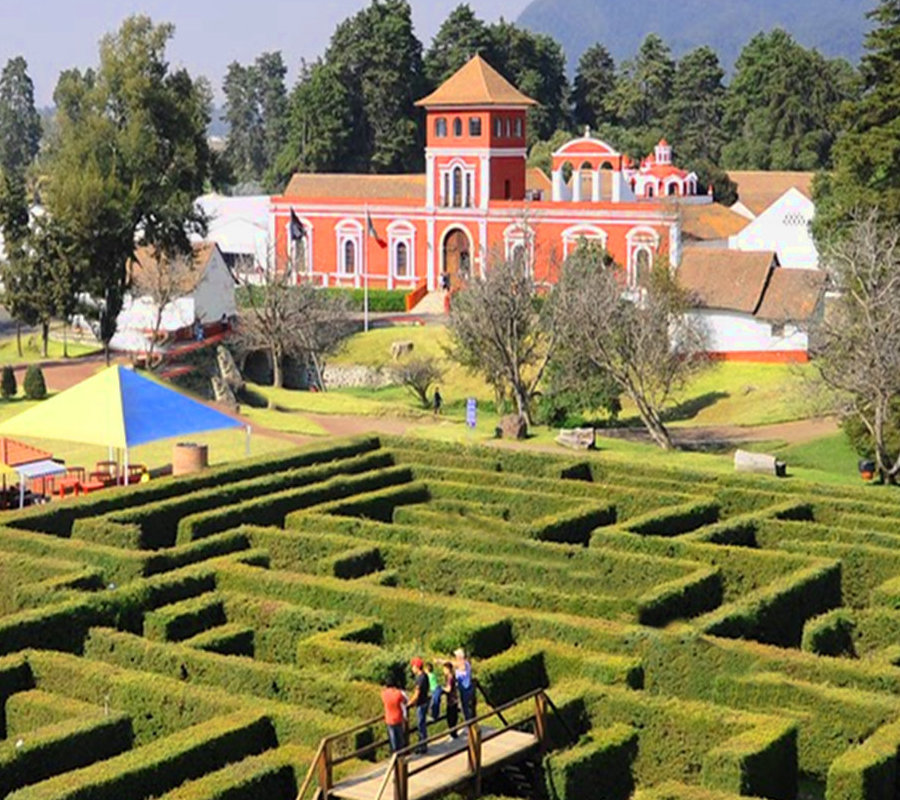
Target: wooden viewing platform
{"points": [[479, 749]]}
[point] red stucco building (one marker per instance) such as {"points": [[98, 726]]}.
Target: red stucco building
{"points": [[478, 200]]}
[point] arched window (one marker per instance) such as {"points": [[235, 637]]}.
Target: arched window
{"points": [[518, 127], [349, 257], [401, 259], [643, 263], [673, 189], [445, 190], [508, 127], [469, 202], [498, 127], [457, 187], [457, 127], [474, 126], [650, 191], [440, 127], [517, 253]]}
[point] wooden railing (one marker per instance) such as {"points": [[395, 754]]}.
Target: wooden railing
{"points": [[398, 768]]}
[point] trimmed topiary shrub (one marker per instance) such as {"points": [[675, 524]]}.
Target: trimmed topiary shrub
{"points": [[601, 762], [35, 388], [8, 385]]}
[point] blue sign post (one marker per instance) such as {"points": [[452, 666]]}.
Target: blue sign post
{"points": [[471, 413]]}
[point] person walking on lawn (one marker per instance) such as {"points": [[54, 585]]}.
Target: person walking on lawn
{"points": [[437, 402], [434, 689], [394, 701], [419, 701]]}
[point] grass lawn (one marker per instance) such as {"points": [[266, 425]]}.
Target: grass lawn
{"points": [[31, 350], [227, 445]]}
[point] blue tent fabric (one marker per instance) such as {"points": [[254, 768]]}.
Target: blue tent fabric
{"points": [[152, 411]]}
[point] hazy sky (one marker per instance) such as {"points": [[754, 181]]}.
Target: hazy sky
{"points": [[57, 34]]}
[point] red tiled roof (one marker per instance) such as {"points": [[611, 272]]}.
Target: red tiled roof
{"points": [[792, 295], [477, 83], [710, 221], [757, 190], [726, 279], [331, 186]]}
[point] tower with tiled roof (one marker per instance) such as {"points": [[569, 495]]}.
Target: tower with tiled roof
{"points": [[476, 134]]}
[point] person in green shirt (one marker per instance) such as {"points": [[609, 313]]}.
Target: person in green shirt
{"points": [[434, 689]]}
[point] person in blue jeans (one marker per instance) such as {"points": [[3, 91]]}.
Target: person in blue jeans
{"points": [[434, 690], [463, 671], [419, 701]]}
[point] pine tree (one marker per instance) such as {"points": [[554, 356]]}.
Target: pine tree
{"points": [[8, 386], [644, 87], [866, 157], [595, 84], [697, 107], [244, 150], [461, 36], [34, 385]]}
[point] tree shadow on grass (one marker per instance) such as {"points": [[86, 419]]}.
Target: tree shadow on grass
{"points": [[693, 406]]}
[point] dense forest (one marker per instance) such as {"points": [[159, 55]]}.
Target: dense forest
{"points": [[353, 109]]}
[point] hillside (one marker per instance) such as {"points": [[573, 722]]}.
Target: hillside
{"points": [[836, 27]]}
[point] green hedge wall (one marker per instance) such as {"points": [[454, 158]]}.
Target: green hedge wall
{"points": [[868, 771], [830, 634], [516, 672], [227, 640], [761, 762], [600, 765], [380, 300], [163, 764], [479, 638], [272, 509], [681, 598], [33, 708], [675, 521], [182, 620], [356, 563], [571, 527], [61, 748]]}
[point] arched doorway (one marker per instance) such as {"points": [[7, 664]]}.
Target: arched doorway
{"points": [[456, 258]]}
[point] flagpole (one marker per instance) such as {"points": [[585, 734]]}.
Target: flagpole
{"points": [[366, 276]]}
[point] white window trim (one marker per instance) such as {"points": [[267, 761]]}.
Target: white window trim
{"points": [[640, 239], [446, 178], [590, 233], [349, 230], [405, 233], [515, 236]]}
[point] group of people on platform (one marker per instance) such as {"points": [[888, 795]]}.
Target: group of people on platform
{"points": [[454, 682]]}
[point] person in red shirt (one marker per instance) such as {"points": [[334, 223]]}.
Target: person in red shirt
{"points": [[394, 702]]}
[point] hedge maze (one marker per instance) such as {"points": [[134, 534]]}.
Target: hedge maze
{"points": [[706, 637]]}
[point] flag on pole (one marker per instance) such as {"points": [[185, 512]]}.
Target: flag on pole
{"points": [[370, 229], [296, 231]]}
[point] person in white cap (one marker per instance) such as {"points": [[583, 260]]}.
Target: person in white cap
{"points": [[465, 683]]}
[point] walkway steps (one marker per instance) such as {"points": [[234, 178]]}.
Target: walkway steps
{"points": [[432, 303], [438, 779]]}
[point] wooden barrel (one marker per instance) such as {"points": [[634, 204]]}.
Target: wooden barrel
{"points": [[188, 457]]}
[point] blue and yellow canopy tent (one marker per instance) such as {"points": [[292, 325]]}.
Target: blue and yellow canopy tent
{"points": [[118, 409]]}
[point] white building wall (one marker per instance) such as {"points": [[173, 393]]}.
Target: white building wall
{"points": [[734, 332], [784, 228]]}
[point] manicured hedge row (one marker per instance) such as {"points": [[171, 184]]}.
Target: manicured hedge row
{"points": [[153, 525], [480, 638], [761, 762], [829, 717], [675, 521], [272, 509], [567, 663], [682, 598], [62, 587], [777, 613], [15, 676], [770, 533], [271, 775], [240, 676], [26, 711], [61, 748], [347, 655], [182, 620], [516, 672], [379, 504], [17, 570], [429, 517], [278, 626], [380, 300], [601, 765], [227, 640], [830, 634], [163, 764], [571, 527], [57, 518], [162, 706], [868, 771], [524, 596], [355, 563]]}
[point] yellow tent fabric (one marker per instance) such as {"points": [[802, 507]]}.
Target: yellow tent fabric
{"points": [[117, 408], [89, 412]]}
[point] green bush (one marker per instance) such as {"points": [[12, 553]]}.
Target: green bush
{"points": [[61, 748], [479, 638], [571, 527], [163, 764], [868, 771], [29, 710], [8, 386], [182, 620], [600, 766], [830, 634], [512, 674], [35, 388], [227, 640], [675, 521], [681, 598], [356, 563], [380, 300]]}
